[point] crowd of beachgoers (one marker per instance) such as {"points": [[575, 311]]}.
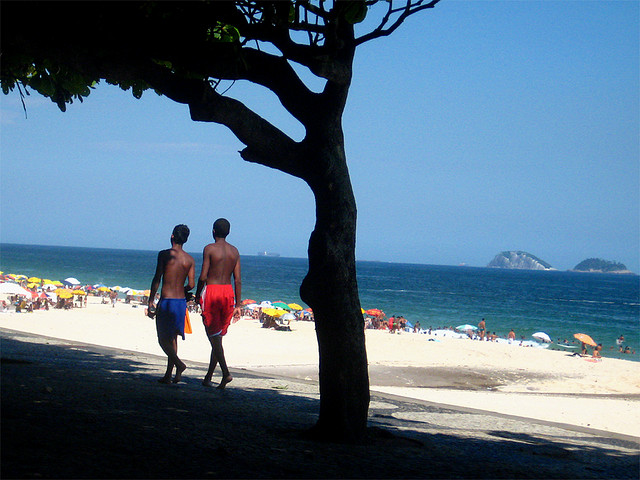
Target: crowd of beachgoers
{"points": [[27, 294]]}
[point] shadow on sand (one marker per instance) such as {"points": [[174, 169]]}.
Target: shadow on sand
{"points": [[78, 411]]}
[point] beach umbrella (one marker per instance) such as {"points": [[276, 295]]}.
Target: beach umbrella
{"points": [[34, 280], [71, 281], [375, 312], [295, 306], [58, 283], [542, 337], [33, 285], [584, 338], [265, 304], [104, 289], [13, 289], [288, 316], [79, 292], [64, 293], [49, 286], [282, 305], [466, 327], [248, 301]]}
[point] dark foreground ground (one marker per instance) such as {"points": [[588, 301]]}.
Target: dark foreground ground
{"points": [[71, 410]]}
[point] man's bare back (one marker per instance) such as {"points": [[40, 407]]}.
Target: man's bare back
{"points": [[174, 265], [222, 260]]}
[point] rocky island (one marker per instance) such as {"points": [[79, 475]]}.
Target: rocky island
{"points": [[519, 260], [598, 265]]}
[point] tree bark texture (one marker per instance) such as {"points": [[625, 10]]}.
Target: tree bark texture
{"points": [[331, 289]]}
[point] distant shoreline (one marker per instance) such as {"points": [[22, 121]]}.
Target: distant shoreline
{"points": [[615, 272]]}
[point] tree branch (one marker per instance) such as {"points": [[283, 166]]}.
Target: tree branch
{"points": [[408, 10], [266, 144]]}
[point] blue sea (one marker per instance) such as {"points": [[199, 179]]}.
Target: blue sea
{"points": [[604, 306]]}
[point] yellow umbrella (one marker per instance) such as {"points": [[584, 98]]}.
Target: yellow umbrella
{"points": [[79, 292], [34, 280], [57, 283], [32, 285], [104, 289], [272, 312], [64, 293], [147, 293], [295, 306]]}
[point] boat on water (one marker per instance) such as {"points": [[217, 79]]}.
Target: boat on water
{"points": [[268, 254]]}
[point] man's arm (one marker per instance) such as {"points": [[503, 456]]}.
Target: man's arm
{"points": [[155, 283], [203, 274], [237, 280], [191, 276]]}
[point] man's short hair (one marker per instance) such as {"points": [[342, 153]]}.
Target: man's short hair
{"points": [[221, 227], [180, 234]]}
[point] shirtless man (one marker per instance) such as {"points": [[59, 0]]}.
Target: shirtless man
{"points": [[220, 261], [482, 328], [174, 266]]}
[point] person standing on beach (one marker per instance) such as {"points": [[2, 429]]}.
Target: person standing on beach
{"points": [[220, 261], [173, 267], [482, 328]]}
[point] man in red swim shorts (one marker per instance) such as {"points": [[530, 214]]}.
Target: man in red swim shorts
{"points": [[220, 303]]}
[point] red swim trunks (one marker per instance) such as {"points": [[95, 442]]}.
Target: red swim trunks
{"points": [[218, 302]]}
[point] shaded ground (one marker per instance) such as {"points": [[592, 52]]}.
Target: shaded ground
{"points": [[76, 411]]}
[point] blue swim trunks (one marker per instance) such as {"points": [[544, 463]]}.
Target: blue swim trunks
{"points": [[170, 317]]}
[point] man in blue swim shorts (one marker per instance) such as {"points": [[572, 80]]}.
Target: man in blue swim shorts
{"points": [[173, 267]]}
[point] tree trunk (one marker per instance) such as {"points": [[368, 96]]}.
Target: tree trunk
{"points": [[331, 289]]}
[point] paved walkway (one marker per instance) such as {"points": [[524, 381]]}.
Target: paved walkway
{"points": [[78, 411]]}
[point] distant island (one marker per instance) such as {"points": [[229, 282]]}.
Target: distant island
{"points": [[598, 265], [519, 260]]}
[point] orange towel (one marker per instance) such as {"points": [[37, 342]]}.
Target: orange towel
{"points": [[187, 323]]}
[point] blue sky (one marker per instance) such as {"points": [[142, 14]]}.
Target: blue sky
{"points": [[476, 127]]}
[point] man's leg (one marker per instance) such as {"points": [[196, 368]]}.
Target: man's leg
{"points": [[216, 345], [170, 348], [213, 362]]}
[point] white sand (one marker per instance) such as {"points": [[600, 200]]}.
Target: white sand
{"points": [[539, 384]]}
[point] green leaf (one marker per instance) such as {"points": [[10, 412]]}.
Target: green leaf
{"points": [[223, 33], [354, 12]]}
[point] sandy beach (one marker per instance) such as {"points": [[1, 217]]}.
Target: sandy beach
{"points": [[525, 382]]}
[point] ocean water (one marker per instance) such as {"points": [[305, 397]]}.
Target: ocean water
{"points": [[604, 306]]}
